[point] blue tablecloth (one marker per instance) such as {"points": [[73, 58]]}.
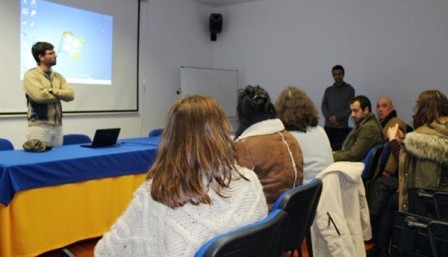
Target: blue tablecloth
{"points": [[21, 170]]}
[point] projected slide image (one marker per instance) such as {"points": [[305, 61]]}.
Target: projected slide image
{"points": [[82, 40]]}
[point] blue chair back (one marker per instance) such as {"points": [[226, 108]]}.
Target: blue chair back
{"points": [[260, 239], [155, 132], [72, 139], [300, 203], [5, 144], [371, 161]]}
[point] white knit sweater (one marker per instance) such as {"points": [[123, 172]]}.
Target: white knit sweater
{"points": [[149, 228]]}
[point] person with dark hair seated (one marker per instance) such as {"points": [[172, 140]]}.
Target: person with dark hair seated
{"points": [[193, 192], [367, 132], [265, 146]]}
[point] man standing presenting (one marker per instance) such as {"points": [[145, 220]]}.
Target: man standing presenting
{"points": [[44, 91], [366, 133], [335, 108]]}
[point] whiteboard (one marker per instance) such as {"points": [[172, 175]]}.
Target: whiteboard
{"points": [[221, 84]]}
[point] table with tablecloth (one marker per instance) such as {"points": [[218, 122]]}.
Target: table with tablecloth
{"points": [[52, 199]]}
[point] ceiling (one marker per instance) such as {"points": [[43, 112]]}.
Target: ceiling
{"points": [[218, 3]]}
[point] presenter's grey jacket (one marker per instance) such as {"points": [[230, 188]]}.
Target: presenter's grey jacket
{"points": [[336, 101], [44, 94]]}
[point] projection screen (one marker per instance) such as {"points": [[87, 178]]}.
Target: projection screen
{"points": [[96, 42]]}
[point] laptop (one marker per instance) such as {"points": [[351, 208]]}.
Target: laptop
{"points": [[104, 137]]}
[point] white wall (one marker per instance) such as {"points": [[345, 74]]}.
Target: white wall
{"points": [[176, 34], [388, 47], [173, 33]]}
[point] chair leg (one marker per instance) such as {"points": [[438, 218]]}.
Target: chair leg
{"points": [[309, 246], [67, 253]]}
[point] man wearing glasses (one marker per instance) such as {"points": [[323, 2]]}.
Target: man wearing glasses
{"points": [[44, 91]]}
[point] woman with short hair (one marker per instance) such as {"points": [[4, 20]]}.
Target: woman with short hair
{"points": [[300, 117]]}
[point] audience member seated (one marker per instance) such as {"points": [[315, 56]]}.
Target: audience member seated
{"points": [[265, 146], [387, 115], [424, 157], [193, 192], [383, 196], [388, 118], [365, 134], [300, 117]]}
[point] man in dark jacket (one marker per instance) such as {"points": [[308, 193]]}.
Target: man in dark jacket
{"points": [[367, 132]]}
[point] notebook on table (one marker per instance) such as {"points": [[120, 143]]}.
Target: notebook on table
{"points": [[104, 137]]}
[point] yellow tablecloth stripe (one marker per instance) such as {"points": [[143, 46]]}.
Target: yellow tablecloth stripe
{"points": [[42, 219]]}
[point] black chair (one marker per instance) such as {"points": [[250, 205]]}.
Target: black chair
{"points": [[300, 203], [5, 144], [428, 203], [371, 161], [155, 132], [441, 205], [72, 139], [415, 235], [260, 239]]}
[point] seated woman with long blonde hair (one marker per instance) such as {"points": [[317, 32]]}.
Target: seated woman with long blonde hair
{"points": [[194, 190]]}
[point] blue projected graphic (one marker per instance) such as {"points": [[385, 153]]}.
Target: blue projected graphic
{"points": [[82, 40]]}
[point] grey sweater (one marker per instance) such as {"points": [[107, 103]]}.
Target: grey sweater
{"points": [[336, 101]]}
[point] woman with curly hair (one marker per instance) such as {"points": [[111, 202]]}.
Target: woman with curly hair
{"points": [[300, 117]]}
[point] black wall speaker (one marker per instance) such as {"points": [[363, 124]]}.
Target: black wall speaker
{"points": [[215, 25]]}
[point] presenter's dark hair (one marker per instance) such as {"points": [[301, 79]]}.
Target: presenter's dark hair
{"points": [[39, 48], [296, 110], [338, 67], [254, 105], [195, 154], [431, 105], [363, 102]]}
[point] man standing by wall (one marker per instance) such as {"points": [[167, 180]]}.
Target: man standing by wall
{"points": [[44, 91], [335, 108], [366, 133]]}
